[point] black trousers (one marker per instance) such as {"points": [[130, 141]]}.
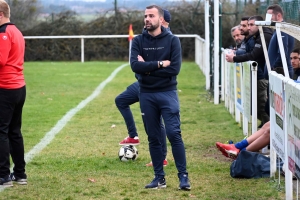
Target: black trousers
{"points": [[11, 139]]}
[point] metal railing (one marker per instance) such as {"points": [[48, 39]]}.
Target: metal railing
{"points": [[199, 44]]}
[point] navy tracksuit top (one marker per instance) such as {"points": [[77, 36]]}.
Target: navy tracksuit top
{"points": [[274, 53], [164, 46]]}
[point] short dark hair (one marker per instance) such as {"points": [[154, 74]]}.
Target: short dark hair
{"points": [[160, 10], [276, 9], [296, 50], [245, 18], [256, 18]]}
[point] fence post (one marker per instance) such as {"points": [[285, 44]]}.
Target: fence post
{"points": [[197, 52], [216, 53], [222, 74], [82, 50], [254, 96], [282, 53], [207, 46]]}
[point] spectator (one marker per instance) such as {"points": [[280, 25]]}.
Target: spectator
{"points": [[255, 142], [257, 54], [12, 98], [237, 36], [248, 43], [273, 50], [156, 59], [295, 57]]}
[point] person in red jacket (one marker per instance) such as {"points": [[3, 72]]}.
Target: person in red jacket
{"points": [[12, 98]]}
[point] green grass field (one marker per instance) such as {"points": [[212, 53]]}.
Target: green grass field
{"points": [[87, 147]]}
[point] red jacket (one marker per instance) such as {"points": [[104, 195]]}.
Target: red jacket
{"points": [[12, 49]]}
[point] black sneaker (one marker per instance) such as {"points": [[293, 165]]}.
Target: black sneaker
{"points": [[6, 182], [19, 180], [157, 183], [184, 183]]}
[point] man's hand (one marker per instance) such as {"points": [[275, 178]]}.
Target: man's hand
{"points": [[140, 58], [229, 57], [166, 63]]}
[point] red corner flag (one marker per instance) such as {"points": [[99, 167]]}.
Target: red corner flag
{"points": [[131, 35]]}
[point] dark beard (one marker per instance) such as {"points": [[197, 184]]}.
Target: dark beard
{"points": [[245, 34], [152, 27]]}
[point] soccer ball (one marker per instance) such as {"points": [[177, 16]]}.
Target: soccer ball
{"points": [[128, 152]]}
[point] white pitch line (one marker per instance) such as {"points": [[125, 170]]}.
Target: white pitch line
{"points": [[63, 121]]}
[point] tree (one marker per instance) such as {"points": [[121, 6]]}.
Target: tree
{"points": [[24, 13]]}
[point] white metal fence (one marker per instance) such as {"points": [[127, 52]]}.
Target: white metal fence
{"points": [[284, 99], [236, 89], [199, 44]]}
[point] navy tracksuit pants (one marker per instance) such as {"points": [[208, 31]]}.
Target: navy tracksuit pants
{"points": [[165, 104], [123, 102], [11, 139]]}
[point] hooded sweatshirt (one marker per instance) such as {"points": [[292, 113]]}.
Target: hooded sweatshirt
{"points": [[164, 46]]}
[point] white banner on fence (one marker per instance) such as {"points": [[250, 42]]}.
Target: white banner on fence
{"points": [[292, 91], [247, 89], [277, 102], [239, 83]]}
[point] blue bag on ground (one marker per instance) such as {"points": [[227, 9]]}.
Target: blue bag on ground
{"points": [[250, 165]]}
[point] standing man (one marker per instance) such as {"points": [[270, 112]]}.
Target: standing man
{"points": [[295, 58], [273, 50], [131, 96], [156, 60], [12, 98], [166, 20], [257, 55]]}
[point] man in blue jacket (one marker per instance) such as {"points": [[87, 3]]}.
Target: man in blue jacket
{"points": [[273, 50], [248, 43], [156, 60], [131, 96]]}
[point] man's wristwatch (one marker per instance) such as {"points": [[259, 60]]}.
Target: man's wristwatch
{"points": [[161, 64]]}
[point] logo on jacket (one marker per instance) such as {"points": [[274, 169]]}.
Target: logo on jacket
{"points": [[4, 37], [153, 48], [257, 45]]}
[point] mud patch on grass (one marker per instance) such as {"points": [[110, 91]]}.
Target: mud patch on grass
{"points": [[213, 152]]}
